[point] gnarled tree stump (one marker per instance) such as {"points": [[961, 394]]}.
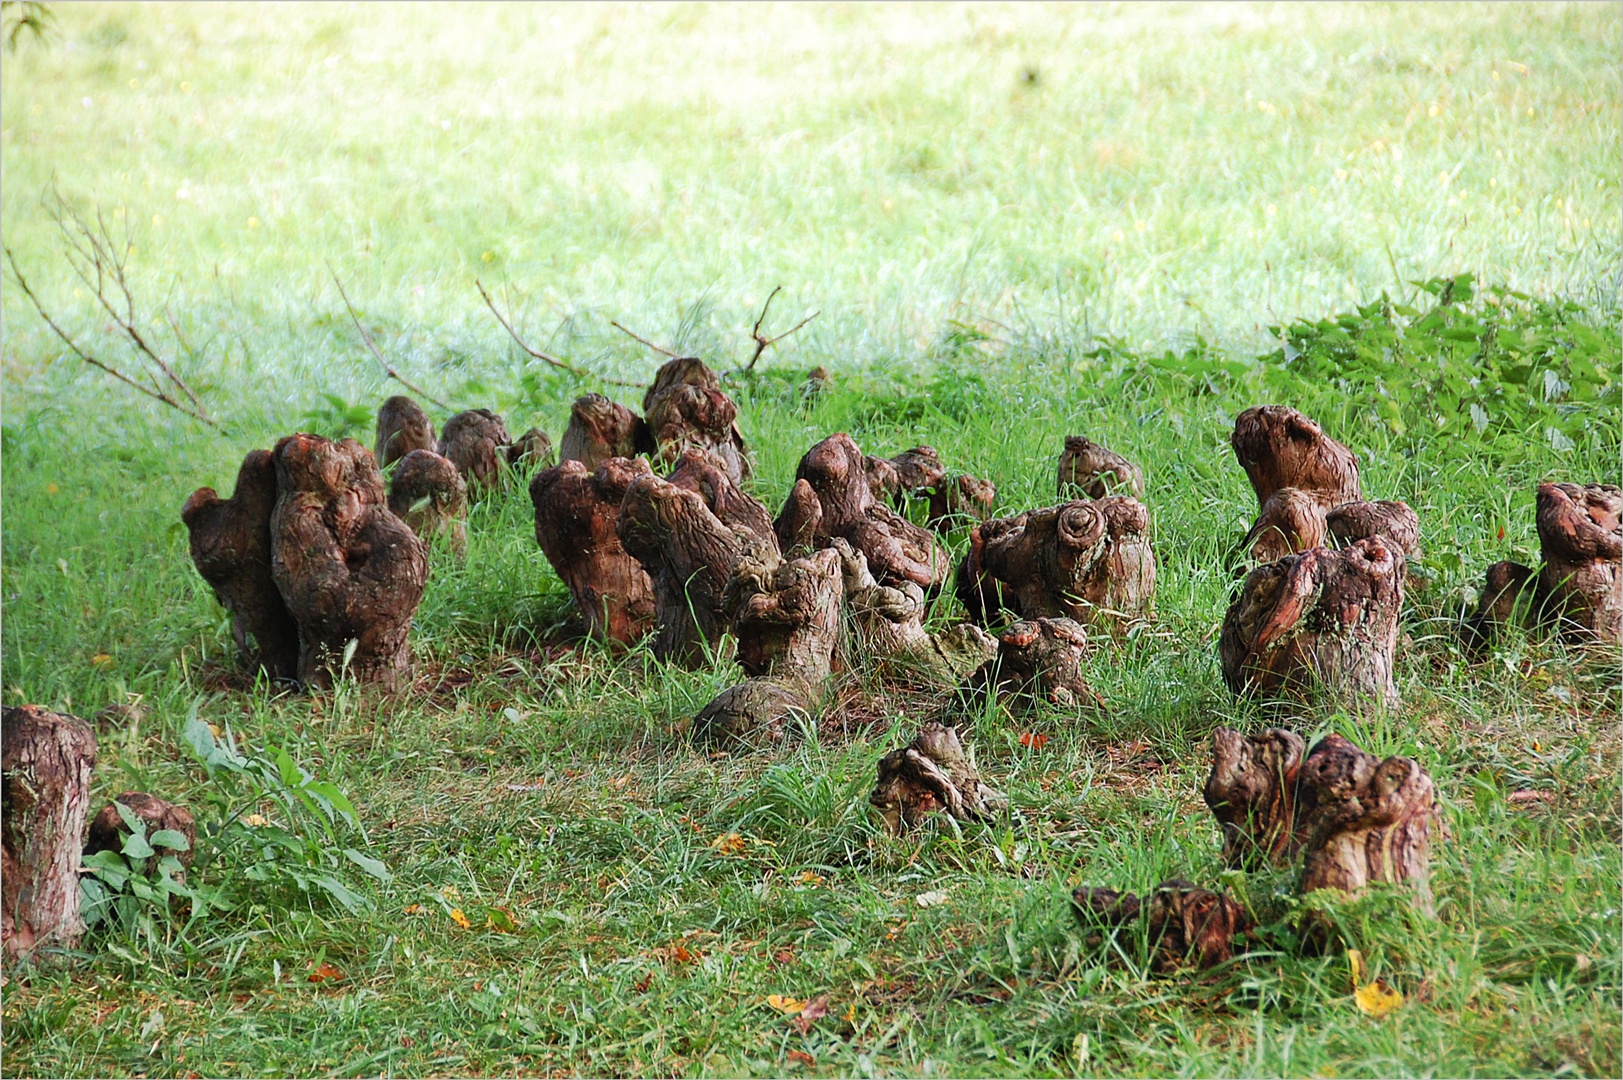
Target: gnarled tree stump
{"points": [[755, 713], [1251, 791], [832, 497], [908, 474], [231, 546], [45, 764], [1186, 925], [402, 428], [600, 429], [889, 623], [349, 570], [476, 442], [1279, 447], [1085, 560], [958, 500], [1510, 595], [530, 451], [1324, 617], [929, 774], [1580, 531], [685, 409], [428, 494], [107, 829], [1396, 521], [1086, 468], [1041, 659], [1291, 522], [577, 513]]}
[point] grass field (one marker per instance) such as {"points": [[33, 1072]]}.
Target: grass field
{"points": [[1016, 223]]}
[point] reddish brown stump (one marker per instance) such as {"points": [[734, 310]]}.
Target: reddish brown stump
{"points": [[930, 774], [476, 442], [1279, 447], [108, 830], [1580, 531], [1087, 468], [428, 493], [1396, 521], [1041, 659], [1251, 791], [402, 428], [1291, 522], [1186, 925], [45, 763], [960, 500], [577, 513], [685, 409], [889, 624], [600, 429], [531, 451]]}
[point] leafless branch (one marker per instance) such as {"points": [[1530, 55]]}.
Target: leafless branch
{"points": [[657, 348], [763, 343], [562, 365], [388, 368]]}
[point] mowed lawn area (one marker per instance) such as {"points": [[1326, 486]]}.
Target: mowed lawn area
{"points": [[1014, 223]]}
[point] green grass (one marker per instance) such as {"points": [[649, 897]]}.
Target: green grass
{"points": [[998, 261]]}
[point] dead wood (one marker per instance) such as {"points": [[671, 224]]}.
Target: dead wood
{"points": [[428, 494], [600, 429], [1251, 791], [889, 625], [372, 347], [1396, 521], [545, 358], [349, 570], [530, 451], [685, 409], [959, 500], [476, 442], [754, 714], [929, 774], [1580, 531], [107, 829], [231, 547], [403, 426], [832, 497], [1291, 522], [909, 474], [1186, 925], [1041, 659], [1322, 618], [1510, 596], [787, 614], [1279, 447], [45, 763], [1086, 468], [577, 512], [762, 342]]}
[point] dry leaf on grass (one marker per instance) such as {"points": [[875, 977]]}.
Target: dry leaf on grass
{"points": [[325, 971], [1373, 998], [460, 918], [786, 1005], [800, 1057], [814, 1011], [728, 844]]}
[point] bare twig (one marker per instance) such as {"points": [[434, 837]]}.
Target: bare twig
{"points": [[388, 368], [657, 348], [763, 343], [562, 365], [156, 393]]}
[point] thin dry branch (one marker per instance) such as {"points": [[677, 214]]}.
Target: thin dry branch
{"points": [[762, 343], [657, 348], [562, 365], [388, 368]]}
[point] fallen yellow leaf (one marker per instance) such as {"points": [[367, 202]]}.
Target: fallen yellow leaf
{"points": [[458, 917], [728, 844], [786, 1005], [256, 820], [807, 877], [101, 659], [1373, 998]]}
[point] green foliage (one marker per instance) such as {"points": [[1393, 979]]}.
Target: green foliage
{"points": [[133, 888]]}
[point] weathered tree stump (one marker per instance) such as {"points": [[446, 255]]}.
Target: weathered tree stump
{"points": [[1366, 820], [1086, 468], [530, 451], [476, 442], [1279, 447], [108, 831], [1251, 791], [1041, 660], [1186, 925], [929, 774], [959, 500], [685, 409], [45, 764], [909, 474], [1509, 596], [428, 494], [889, 624], [231, 547], [1580, 531], [787, 614], [600, 429], [1085, 560], [1322, 618], [754, 714], [403, 426], [349, 570], [1396, 521], [577, 513], [1291, 522], [832, 497]]}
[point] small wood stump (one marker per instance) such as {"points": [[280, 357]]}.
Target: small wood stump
{"points": [[231, 547], [1186, 925], [600, 429], [402, 428], [427, 492], [1580, 531], [910, 474], [108, 831], [1510, 596], [787, 614], [45, 764], [960, 500], [1089, 561], [685, 409], [1041, 660], [349, 570], [1322, 618], [1094, 471], [577, 513], [832, 497], [1291, 522], [531, 451], [1251, 791], [929, 774], [1279, 447], [476, 442], [754, 714], [1396, 521], [889, 624]]}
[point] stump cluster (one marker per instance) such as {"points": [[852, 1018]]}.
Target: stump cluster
{"points": [[932, 773]]}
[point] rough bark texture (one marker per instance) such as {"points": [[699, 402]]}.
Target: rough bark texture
{"points": [[1323, 617], [929, 774], [910, 473], [402, 428], [45, 764], [1186, 925], [960, 500], [1086, 468], [107, 829], [889, 624], [476, 442], [231, 546], [347, 567], [754, 714], [600, 429], [1509, 596], [1084, 560], [427, 492], [577, 512], [1366, 820], [1041, 659], [685, 409], [787, 614], [1580, 531], [698, 472], [530, 451], [832, 497], [1251, 791], [1291, 522], [1279, 447], [1354, 521]]}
